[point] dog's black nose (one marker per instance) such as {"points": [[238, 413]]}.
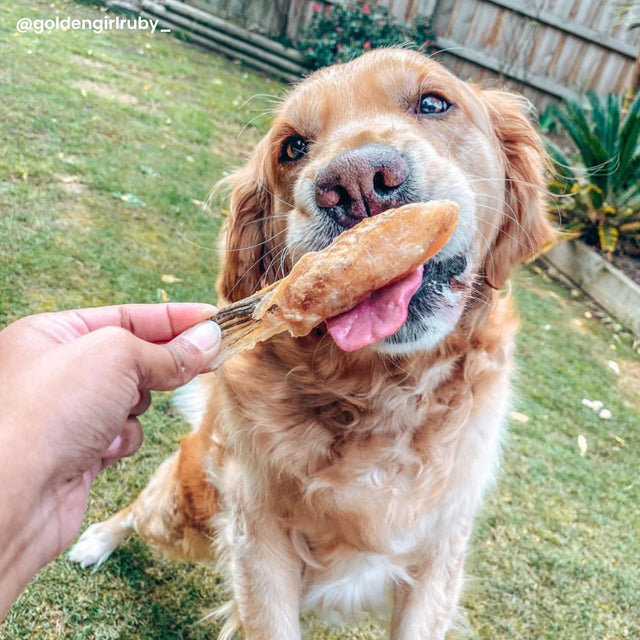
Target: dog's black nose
{"points": [[361, 182]]}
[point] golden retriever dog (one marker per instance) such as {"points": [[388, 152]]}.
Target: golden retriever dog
{"points": [[332, 480]]}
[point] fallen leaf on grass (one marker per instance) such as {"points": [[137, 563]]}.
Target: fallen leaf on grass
{"points": [[618, 439], [582, 445], [613, 365], [169, 278], [65, 179], [594, 405], [129, 198], [148, 171], [519, 417], [70, 183]]}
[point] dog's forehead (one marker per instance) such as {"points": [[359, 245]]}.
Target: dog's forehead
{"points": [[378, 80]]}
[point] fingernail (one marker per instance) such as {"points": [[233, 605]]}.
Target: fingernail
{"points": [[113, 447], [206, 336]]}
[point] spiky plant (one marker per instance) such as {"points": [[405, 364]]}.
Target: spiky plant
{"points": [[599, 194]]}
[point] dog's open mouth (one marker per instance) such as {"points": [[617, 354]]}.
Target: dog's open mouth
{"points": [[384, 311], [378, 316]]}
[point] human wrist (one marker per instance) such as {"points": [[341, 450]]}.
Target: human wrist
{"points": [[24, 516], [21, 555]]}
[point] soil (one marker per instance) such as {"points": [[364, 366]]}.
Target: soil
{"points": [[629, 265], [628, 262]]}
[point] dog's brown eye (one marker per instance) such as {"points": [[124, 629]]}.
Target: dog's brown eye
{"points": [[432, 103], [293, 148]]}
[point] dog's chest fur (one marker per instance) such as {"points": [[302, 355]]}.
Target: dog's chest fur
{"points": [[368, 475], [401, 504]]}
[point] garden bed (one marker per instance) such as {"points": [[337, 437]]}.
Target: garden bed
{"points": [[629, 265], [612, 289]]}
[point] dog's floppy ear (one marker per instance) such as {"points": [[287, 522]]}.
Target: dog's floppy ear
{"points": [[525, 226], [246, 234]]}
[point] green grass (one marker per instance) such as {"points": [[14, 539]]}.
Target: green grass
{"points": [[88, 120]]}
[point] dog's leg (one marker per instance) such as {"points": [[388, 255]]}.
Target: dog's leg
{"points": [[101, 539], [424, 610], [266, 578], [173, 513]]}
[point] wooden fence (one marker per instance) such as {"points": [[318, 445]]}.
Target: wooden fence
{"points": [[544, 48]]}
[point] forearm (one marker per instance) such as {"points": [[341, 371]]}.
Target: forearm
{"points": [[19, 561], [20, 555], [23, 522]]}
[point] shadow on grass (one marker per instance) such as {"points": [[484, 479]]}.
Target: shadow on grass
{"points": [[171, 600]]}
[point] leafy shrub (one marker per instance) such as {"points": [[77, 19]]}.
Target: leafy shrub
{"points": [[340, 32], [600, 195]]}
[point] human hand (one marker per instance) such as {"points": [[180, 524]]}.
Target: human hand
{"points": [[71, 387]]}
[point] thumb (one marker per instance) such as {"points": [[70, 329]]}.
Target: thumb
{"points": [[166, 367]]}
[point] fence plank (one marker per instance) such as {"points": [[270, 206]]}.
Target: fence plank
{"points": [[541, 45], [544, 84], [547, 48], [571, 27], [425, 8]]}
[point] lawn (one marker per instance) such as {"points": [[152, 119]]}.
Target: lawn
{"points": [[110, 145]]}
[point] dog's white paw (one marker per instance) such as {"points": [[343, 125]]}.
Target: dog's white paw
{"points": [[95, 545]]}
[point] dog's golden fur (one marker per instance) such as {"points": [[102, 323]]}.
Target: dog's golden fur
{"points": [[324, 477]]}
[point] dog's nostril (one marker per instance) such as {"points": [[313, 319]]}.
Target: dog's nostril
{"points": [[332, 195], [380, 183], [344, 199], [387, 179]]}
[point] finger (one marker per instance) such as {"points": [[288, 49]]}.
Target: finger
{"points": [[143, 403], [126, 443], [151, 322], [169, 366]]}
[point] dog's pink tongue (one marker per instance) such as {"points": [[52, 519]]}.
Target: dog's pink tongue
{"points": [[378, 316]]}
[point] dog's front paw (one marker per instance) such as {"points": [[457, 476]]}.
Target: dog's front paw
{"points": [[95, 545]]}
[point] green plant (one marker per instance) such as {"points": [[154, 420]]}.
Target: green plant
{"points": [[339, 32], [547, 121], [599, 196]]}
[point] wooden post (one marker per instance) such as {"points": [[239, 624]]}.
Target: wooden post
{"points": [[430, 9], [634, 87]]}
